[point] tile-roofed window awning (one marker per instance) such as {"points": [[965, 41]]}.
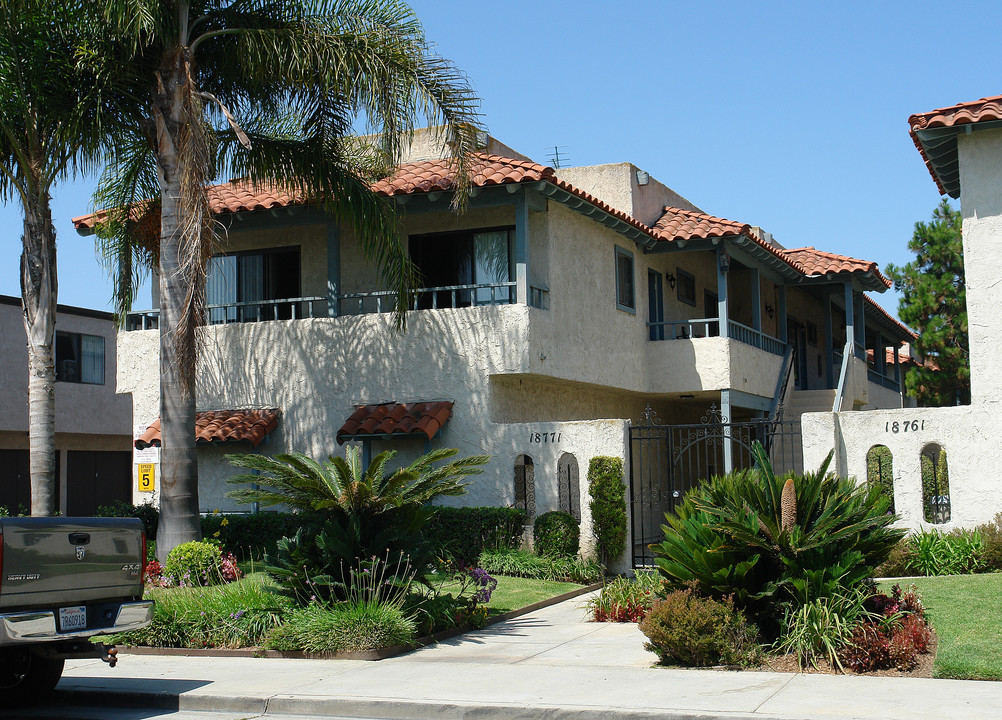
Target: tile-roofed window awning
{"points": [[935, 135], [222, 426], [820, 263], [396, 419]]}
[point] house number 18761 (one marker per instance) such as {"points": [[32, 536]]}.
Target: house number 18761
{"points": [[905, 426], [552, 437]]}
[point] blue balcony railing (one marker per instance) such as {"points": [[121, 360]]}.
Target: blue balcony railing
{"points": [[710, 327]]}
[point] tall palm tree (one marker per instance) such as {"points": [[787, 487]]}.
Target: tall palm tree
{"points": [[270, 90], [52, 122]]}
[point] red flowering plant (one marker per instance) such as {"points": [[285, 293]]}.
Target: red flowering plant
{"points": [[626, 599]]}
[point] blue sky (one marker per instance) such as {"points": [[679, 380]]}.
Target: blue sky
{"points": [[792, 116]]}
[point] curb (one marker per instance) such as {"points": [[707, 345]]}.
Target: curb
{"points": [[387, 709], [373, 655]]}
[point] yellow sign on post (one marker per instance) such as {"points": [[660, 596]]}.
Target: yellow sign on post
{"points": [[146, 477]]}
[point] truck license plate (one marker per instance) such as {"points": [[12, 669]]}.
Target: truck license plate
{"points": [[73, 618]]}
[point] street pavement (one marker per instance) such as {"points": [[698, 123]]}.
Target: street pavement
{"points": [[550, 663]]}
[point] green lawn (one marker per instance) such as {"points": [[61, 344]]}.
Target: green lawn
{"points": [[513, 593], [964, 611]]}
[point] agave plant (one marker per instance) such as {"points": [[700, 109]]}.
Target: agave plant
{"points": [[351, 514], [768, 540]]}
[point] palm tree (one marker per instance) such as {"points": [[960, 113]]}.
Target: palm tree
{"points": [[52, 122], [270, 90]]}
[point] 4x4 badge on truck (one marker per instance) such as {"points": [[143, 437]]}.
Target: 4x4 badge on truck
{"points": [[81, 552]]}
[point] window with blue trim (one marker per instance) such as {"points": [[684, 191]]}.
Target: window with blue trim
{"points": [[625, 291], [686, 286]]}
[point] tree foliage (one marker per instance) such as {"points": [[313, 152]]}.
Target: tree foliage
{"points": [[934, 303]]}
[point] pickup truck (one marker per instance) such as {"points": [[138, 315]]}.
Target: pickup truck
{"points": [[62, 581]]}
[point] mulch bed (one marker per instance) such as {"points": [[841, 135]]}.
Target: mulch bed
{"points": [[789, 664]]}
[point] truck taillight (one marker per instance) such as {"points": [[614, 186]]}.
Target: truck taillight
{"points": [[142, 572]]}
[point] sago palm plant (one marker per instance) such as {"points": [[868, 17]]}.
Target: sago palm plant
{"points": [[350, 513], [767, 540]]}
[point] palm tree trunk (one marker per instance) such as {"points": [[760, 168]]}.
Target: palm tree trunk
{"points": [[38, 297], [179, 510]]}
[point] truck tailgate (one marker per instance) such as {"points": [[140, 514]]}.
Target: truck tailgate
{"points": [[47, 560]]}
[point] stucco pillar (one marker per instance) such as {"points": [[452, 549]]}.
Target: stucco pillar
{"points": [[521, 248], [722, 311], [980, 157]]}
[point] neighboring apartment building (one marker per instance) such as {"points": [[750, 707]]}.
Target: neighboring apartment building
{"points": [[558, 316], [93, 424]]}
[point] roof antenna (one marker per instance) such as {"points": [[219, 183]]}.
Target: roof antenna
{"points": [[557, 160]]}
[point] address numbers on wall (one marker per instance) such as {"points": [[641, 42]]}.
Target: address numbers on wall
{"points": [[895, 426], [544, 437]]}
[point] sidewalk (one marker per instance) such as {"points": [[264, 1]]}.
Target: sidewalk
{"points": [[550, 663]]}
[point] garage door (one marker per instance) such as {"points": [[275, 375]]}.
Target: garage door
{"points": [[96, 478]]}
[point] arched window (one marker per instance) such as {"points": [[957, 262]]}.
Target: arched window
{"points": [[568, 486], [880, 470], [935, 484], [525, 487]]}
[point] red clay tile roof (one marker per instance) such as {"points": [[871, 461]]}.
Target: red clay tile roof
{"points": [[968, 113], [819, 262], [219, 426], [678, 224], [396, 419], [437, 175], [904, 328]]}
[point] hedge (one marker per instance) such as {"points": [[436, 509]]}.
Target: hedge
{"points": [[464, 532]]}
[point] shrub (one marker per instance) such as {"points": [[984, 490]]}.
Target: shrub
{"points": [[892, 635], [519, 563], [991, 547], [686, 629], [608, 506], [350, 626], [238, 614], [938, 553], [625, 599], [900, 562], [250, 536], [462, 533], [194, 563], [734, 536], [556, 534], [147, 512], [351, 513], [821, 627], [433, 610]]}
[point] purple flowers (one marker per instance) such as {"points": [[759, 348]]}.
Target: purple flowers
{"points": [[484, 582]]}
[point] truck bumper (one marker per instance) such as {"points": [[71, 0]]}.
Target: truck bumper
{"points": [[40, 625]]}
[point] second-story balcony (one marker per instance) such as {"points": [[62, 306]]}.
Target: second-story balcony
{"points": [[360, 303], [710, 327]]}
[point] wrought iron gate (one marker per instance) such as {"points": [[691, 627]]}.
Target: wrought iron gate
{"points": [[667, 460]]}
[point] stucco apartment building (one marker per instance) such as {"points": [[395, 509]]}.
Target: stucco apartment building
{"points": [[560, 314], [962, 148], [93, 423]]}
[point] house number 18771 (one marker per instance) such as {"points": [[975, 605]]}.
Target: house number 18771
{"points": [[551, 437], [905, 426]]}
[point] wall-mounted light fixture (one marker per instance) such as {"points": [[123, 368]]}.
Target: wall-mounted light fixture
{"points": [[725, 261], [643, 177], [770, 310], [671, 280]]}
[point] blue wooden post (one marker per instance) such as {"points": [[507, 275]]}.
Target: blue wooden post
{"points": [[725, 413], [756, 298], [861, 322], [781, 313], [333, 268], [850, 320], [829, 345], [521, 248], [722, 293]]}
